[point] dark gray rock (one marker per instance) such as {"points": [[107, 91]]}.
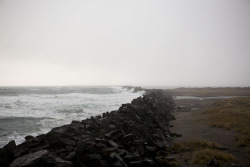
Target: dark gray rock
{"points": [[29, 137], [101, 145], [161, 144], [116, 156], [143, 163], [131, 157], [10, 147], [114, 134], [117, 164], [63, 129], [112, 126], [128, 138], [7, 153], [135, 163], [58, 162], [139, 146], [109, 150], [112, 143], [213, 162], [29, 159], [52, 161], [59, 142], [175, 135], [4, 162], [91, 157], [170, 158], [152, 149], [71, 156], [100, 163]]}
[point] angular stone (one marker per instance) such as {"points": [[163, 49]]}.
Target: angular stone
{"points": [[162, 153], [148, 162], [3, 158], [175, 135], [29, 159], [141, 112], [135, 163], [152, 149], [10, 147], [61, 142], [131, 157], [91, 157], [142, 163], [99, 163], [128, 138], [213, 162], [29, 137], [19, 153], [169, 158], [112, 143], [71, 156], [115, 134], [58, 162], [69, 148], [62, 129], [161, 144], [101, 145], [117, 164], [112, 126], [138, 145], [52, 161], [116, 156], [110, 149]]}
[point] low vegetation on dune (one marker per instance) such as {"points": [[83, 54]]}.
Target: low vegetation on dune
{"points": [[206, 92], [205, 155], [194, 145], [203, 151], [233, 113]]}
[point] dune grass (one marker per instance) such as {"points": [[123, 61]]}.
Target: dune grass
{"points": [[233, 113], [203, 151], [194, 145], [205, 155]]}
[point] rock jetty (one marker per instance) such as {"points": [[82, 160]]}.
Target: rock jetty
{"points": [[136, 135]]}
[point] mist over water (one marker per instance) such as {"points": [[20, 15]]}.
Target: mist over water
{"points": [[36, 110]]}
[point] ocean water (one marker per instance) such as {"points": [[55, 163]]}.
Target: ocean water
{"points": [[36, 110]]}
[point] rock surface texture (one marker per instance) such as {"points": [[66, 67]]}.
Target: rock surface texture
{"points": [[136, 135]]}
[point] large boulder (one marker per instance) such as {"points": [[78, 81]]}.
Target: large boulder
{"points": [[29, 159]]}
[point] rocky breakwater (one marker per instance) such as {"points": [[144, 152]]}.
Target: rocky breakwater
{"points": [[136, 135]]}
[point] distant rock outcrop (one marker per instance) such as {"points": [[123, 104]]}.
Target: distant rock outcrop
{"points": [[136, 135], [135, 89]]}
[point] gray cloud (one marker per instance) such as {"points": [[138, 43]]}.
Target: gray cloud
{"points": [[180, 43]]}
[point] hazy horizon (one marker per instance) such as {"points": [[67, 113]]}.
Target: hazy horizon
{"points": [[160, 43]]}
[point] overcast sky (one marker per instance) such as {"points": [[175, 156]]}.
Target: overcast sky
{"points": [[130, 42]]}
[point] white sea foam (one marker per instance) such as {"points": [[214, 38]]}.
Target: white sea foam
{"points": [[44, 111]]}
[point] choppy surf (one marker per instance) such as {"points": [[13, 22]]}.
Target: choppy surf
{"points": [[36, 110]]}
